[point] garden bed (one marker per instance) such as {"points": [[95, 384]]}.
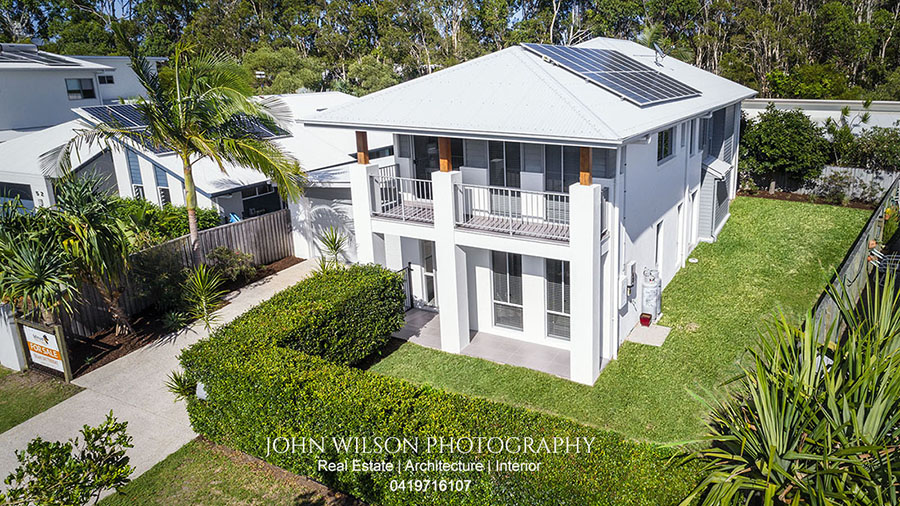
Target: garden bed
{"points": [[101, 348], [800, 197]]}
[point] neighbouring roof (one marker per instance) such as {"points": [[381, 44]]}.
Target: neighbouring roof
{"points": [[515, 94], [28, 57], [325, 153], [23, 154], [882, 113]]}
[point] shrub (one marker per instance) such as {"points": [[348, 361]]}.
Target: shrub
{"points": [[71, 473], [836, 187], [154, 224], [783, 142], [232, 265], [342, 315], [877, 148], [203, 294], [257, 389]]}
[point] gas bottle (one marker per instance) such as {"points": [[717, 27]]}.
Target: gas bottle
{"points": [[651, 293]]}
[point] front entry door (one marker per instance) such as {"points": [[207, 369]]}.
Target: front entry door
{"points": [[429, 286]]}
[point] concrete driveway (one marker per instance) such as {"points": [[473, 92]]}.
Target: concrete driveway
{"points": [[133, 388]]}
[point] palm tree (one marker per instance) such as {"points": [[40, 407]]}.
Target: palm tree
{"points": [[200, 106]]}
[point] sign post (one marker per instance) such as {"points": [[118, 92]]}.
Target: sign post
{"points": [[46, 347]]}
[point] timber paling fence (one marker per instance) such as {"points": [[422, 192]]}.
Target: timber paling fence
{"points": [[266, 237], [854, 270]]}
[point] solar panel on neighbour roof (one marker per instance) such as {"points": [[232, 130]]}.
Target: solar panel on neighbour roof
{"points": [[617, 73], [52, 60], [128, 116]]}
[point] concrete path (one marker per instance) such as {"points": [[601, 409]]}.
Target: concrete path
{"points": [[133, 387]]}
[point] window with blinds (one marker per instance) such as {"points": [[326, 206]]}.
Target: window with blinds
{"points": [[507, 290], [558, 311]]}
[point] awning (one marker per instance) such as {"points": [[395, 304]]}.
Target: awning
{"points": [[718, 168]]}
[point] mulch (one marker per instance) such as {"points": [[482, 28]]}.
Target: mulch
{"points": [[87, 354], [797, 197]]}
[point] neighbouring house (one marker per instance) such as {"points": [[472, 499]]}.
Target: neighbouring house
{"points": [[39, 89], [882, 113], [157, 176], [533, 186]]}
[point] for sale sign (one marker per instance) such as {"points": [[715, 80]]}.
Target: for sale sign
{"points": [[43, 348]]}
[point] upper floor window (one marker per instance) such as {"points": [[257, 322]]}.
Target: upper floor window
{"points": [[691, 127], [665, 144], [106, 80], [79, 89]]}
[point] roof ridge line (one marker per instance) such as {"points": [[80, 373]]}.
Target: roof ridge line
{"points": [[563, 92]]}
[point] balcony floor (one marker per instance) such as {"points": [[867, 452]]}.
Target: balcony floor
{"points": [[502, 225], [424, 328], [422, 212]]}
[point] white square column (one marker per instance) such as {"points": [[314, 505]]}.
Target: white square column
{"points": [[363, 198], [450, 260], [585, 276]]}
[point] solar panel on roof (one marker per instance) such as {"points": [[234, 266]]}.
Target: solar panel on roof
{"points": [[620, 74], [124, 115], [128, 116]]}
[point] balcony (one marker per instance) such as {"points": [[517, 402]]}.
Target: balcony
{"points": [[509, 211], [402, 198], [491, 209]]}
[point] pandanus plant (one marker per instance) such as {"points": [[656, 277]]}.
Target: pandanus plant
{"points": [[814, 419]]}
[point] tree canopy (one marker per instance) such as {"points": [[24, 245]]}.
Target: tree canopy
{"points": [[782, 48]]}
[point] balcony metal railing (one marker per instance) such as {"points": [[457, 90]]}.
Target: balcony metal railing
{"points": [[402, 198], [543, 215]]}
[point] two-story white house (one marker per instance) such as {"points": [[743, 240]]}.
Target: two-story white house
{"points": [[534, 185], [39, 89], [157, 175]]}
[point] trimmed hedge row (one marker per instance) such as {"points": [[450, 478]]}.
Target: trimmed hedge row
{"points": [[258, 390], [341, 315]]}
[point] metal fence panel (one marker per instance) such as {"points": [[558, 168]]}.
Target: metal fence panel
{"points": [[854, 269], [266, 237]]}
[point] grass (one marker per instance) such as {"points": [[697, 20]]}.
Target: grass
{"points": [[771, 256], [25, 394], [203, 473]]}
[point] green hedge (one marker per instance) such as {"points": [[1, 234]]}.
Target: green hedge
{"points": [[341, 315], [258, 390], [166, 222]]}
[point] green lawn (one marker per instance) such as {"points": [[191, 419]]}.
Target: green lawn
{"points": [[25, 394], [772, 255], [203, 473]]}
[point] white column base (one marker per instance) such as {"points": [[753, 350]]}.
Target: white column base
{"points": [[586, 282], [450, 260], [362, 195]]}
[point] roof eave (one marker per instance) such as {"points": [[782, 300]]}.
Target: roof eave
{"points": [[466, 133]]}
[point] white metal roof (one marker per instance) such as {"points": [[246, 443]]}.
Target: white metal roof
{"points": [[514, 94], [316, 148], [882, 113]]}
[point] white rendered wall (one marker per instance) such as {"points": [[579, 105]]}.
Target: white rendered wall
{"points": [[38, 98], [12, 353], [316, 211], [651, 194], [125, 85]]}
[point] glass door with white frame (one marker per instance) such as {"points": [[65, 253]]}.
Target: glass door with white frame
{"points": [[429, 285]]}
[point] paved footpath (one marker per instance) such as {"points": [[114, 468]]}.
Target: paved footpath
{"points": [[133, 387]]}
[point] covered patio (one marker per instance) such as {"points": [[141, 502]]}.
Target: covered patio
{"points": [[424, 328]]}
